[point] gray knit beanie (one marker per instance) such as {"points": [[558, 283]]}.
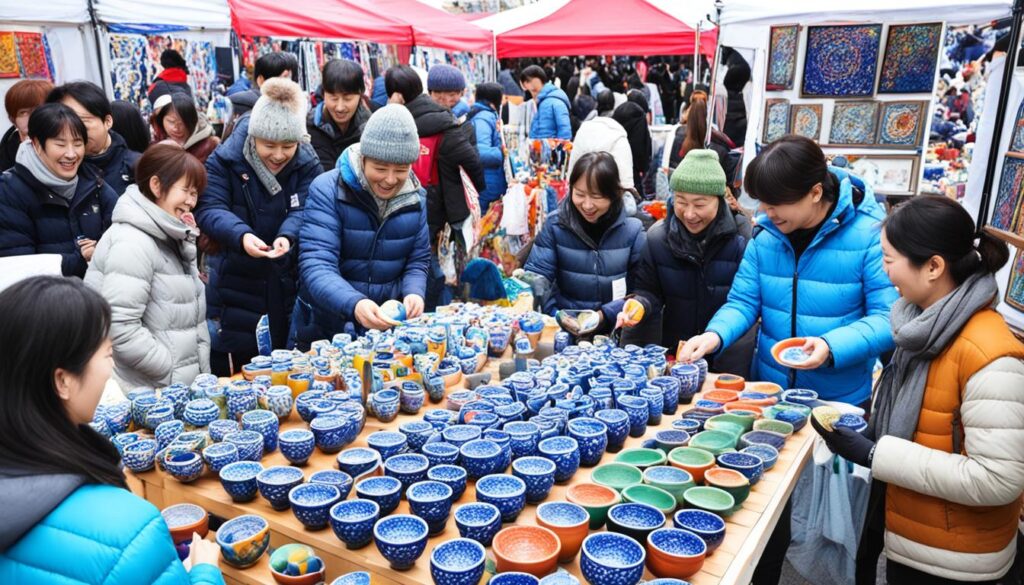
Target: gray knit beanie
{"points": [[390, 136], [280, 113], [443, 77]]}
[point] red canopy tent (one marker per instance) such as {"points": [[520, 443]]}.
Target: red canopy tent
{"points": [[432, 27], [323, 19], [603, 27]]}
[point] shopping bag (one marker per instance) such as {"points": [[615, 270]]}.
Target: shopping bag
{"points": [[514, 218]]}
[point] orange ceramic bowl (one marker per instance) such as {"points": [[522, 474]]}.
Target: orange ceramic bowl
{"points": [[730, 382], [185, 519], [744, 405], [729, 480], [595, 499], [785, 344], [758, 402], [693, 460], [526, 549], [570, 522], [675, 553], [721, 396], [769, 388]]}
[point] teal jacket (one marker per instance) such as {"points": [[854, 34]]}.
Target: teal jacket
{"points": [[837, 291], [94, 535]]}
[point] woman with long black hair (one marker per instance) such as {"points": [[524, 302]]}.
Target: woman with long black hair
{"points": [[68, 515]]}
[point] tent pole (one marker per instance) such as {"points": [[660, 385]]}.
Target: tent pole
{"points": [[997, 132], [696, 56], [99, 53]]}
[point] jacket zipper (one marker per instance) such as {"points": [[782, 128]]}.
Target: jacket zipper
{"points": [[376, 234], [792, 327]]}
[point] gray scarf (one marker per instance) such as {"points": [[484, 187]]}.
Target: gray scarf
{"points": [[28, 158], [267, 178], [920, 336]]}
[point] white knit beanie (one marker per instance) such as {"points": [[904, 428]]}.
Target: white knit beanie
{"points": [[280, 113]]}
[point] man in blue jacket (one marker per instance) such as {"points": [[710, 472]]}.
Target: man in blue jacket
{"points": [[552, 119], [364, 239], [484, 118]]}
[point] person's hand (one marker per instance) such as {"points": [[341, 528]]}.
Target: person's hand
{"points": [[819, 351], [255, 247], [87, 247], [621, 320], [847, 443], [368, 314], [698, 347], [202, 552], [281, 247], [568, 323], [413, 306]]}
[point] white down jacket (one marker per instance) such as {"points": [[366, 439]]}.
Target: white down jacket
{"points": [[145, 266]]}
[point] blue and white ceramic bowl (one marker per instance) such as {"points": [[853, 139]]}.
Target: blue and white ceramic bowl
{"points": [[387, 443], [218, 455], [386, 491], [239, 480], [854, 422], [161, 412], [401, 539], [118, 417], [200, 412], [689, 425], [565, 452], [297, 445], [481, 457], [275, 482], [356, 578], [249, 444], [441, 453], [457, 562], [800, 396], [279, 401], [677, 542], [459, 435], [265, 423], [352, 521], [416, 432], [655, 398], [538, 473], [612, 559], [638, 411], [524, 438], [513, 578], [478, 521], [762, 438], [560, 577], [409, 468], [185, 467], [311, 503], [668, 439], [635, 520], [385, 404], [592, 436], [669, 387], [338, 479], [358, 460], [617, 423], [710, 527], [432, 501], [219, 428], [452, 476], [140, 455], [167, 432], [768, 454], [330, 431], [506, 492]]}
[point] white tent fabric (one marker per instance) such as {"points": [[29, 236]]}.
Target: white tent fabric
{"points": [[512, 19], [48, 12], [194, 14], [692, 12]]}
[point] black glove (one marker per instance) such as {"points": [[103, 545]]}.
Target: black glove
{"points": [[847, 443]]}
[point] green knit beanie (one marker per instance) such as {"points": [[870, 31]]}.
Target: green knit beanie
{"points": [[699, 174]]}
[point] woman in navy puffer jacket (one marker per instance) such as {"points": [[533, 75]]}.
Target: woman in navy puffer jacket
{"points": [[365, 236], [588, 252]]}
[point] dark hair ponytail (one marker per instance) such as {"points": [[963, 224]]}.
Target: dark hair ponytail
{"points": [[50, 322], [787, 169], [932, 225]]}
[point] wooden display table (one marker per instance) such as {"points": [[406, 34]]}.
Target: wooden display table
{"points": [[747, 530]]}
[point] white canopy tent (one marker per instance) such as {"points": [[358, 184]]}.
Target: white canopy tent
{"points": [[210, 15]]}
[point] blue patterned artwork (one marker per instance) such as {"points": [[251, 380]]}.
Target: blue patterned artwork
{"points": [[854, 123], [840, 61], [911, 52], [805, 120], [776, 120], [782, 57], [1017, 139], [901, 124], [1006, 213], [1015, 289]]}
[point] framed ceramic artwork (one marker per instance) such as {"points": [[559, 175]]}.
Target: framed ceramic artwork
{"points": [[1017, 138], [8, 56], [911, 54], [895, 174], [1007, 210], [805, 120], [901, 124], [776, 120], [782, 49], [841, 61], [854, 123], [1015, 288]]}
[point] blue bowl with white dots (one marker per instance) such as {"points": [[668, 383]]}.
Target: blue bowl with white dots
{"points": [[505, 492], [432, 501], [565, 452], [457, 562], [311, 503], [635, 520], [358, 460], [539, 475], [768, 454], [478, 521], [480, 457], [386, 491], [612, 559], [218, 455], [401, 539], [338, 479], [239, 479], [276, 482], [387, 443], [452, 476], [220, 428], [140, 455], [750, 465], [408, 468], [296, 445], [512, 578], [710, 527], [592, 436], [249, 444], [441, 453], [352, 521]]}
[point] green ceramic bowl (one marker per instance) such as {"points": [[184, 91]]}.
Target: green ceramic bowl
{"points": [[734, 429], [617, 476], [652, 496], [745, 421], [710, 499], [714, 442], [670, 478], [775, 426], [641, 458], [731, 481]]}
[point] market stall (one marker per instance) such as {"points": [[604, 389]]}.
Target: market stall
{"points": [[836, 74]]}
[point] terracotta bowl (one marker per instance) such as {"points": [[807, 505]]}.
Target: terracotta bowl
{"points": [[184, 520], [720, 395], [730, 382], [779, 349], [696, 461], [769, 388], [595, 499], [570, 522], [745, 406], [526, 549], [675, 553], [730, 481]]}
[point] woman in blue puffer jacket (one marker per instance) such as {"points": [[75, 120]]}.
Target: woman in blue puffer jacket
{"points": [[68, 515], [484, 117], [589, 251], [365, 238]]}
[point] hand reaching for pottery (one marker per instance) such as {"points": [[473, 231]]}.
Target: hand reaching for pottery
{"points": [[698, 347], [202, 552], [413, 306], [368, 314], [819, 351]]}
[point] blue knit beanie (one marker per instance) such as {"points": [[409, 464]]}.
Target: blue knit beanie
{"points": [[445, 78]]}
